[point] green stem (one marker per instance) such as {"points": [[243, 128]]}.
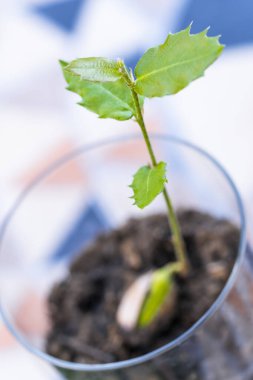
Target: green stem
{"points": [[177, 238], [140, 121]]}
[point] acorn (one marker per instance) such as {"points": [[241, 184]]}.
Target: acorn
{"points": [[151, 297]]}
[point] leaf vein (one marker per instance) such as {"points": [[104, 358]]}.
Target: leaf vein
{"points": [[119, 99], [168, 67]]}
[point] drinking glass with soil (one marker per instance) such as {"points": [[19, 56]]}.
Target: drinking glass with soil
{"points": [[157, 294]]}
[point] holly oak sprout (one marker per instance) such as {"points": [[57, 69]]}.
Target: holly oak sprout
{"points": [[112, 90]]}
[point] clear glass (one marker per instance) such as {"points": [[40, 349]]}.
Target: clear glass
{"points": [[218, 346]]}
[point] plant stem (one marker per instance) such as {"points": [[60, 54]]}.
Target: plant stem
{"points": [[140, 121], [177, 238]]}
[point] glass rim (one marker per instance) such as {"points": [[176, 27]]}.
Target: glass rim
{"points": [[186, 334]]}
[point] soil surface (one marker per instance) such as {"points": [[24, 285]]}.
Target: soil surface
{"points": [[83, 306]]}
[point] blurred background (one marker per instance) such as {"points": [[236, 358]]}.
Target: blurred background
{"points": [[39, 120]]}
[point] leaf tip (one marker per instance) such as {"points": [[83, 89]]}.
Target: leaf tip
{"points": [[218, 37], [62, 63], [188, 29], [205, 31], [220, 46]]}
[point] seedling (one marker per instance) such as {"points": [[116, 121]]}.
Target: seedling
{"points": [[112, 90]]}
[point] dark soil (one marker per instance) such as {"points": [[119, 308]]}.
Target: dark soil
{"points": [[83, 306]]}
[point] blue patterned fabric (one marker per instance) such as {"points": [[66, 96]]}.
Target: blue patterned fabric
{"points": [[233, 19], [64, 14], [89, 223]]}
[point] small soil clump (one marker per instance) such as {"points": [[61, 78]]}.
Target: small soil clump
{"points": [[83, 306]]}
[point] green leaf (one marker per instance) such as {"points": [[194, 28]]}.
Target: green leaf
{"points": [[168, 68], [108, 100], [148, 183], [96, 69], [161, 290]]}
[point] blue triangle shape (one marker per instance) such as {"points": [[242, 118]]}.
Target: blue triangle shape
{"points": [[64, 14], [89, 223]]}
